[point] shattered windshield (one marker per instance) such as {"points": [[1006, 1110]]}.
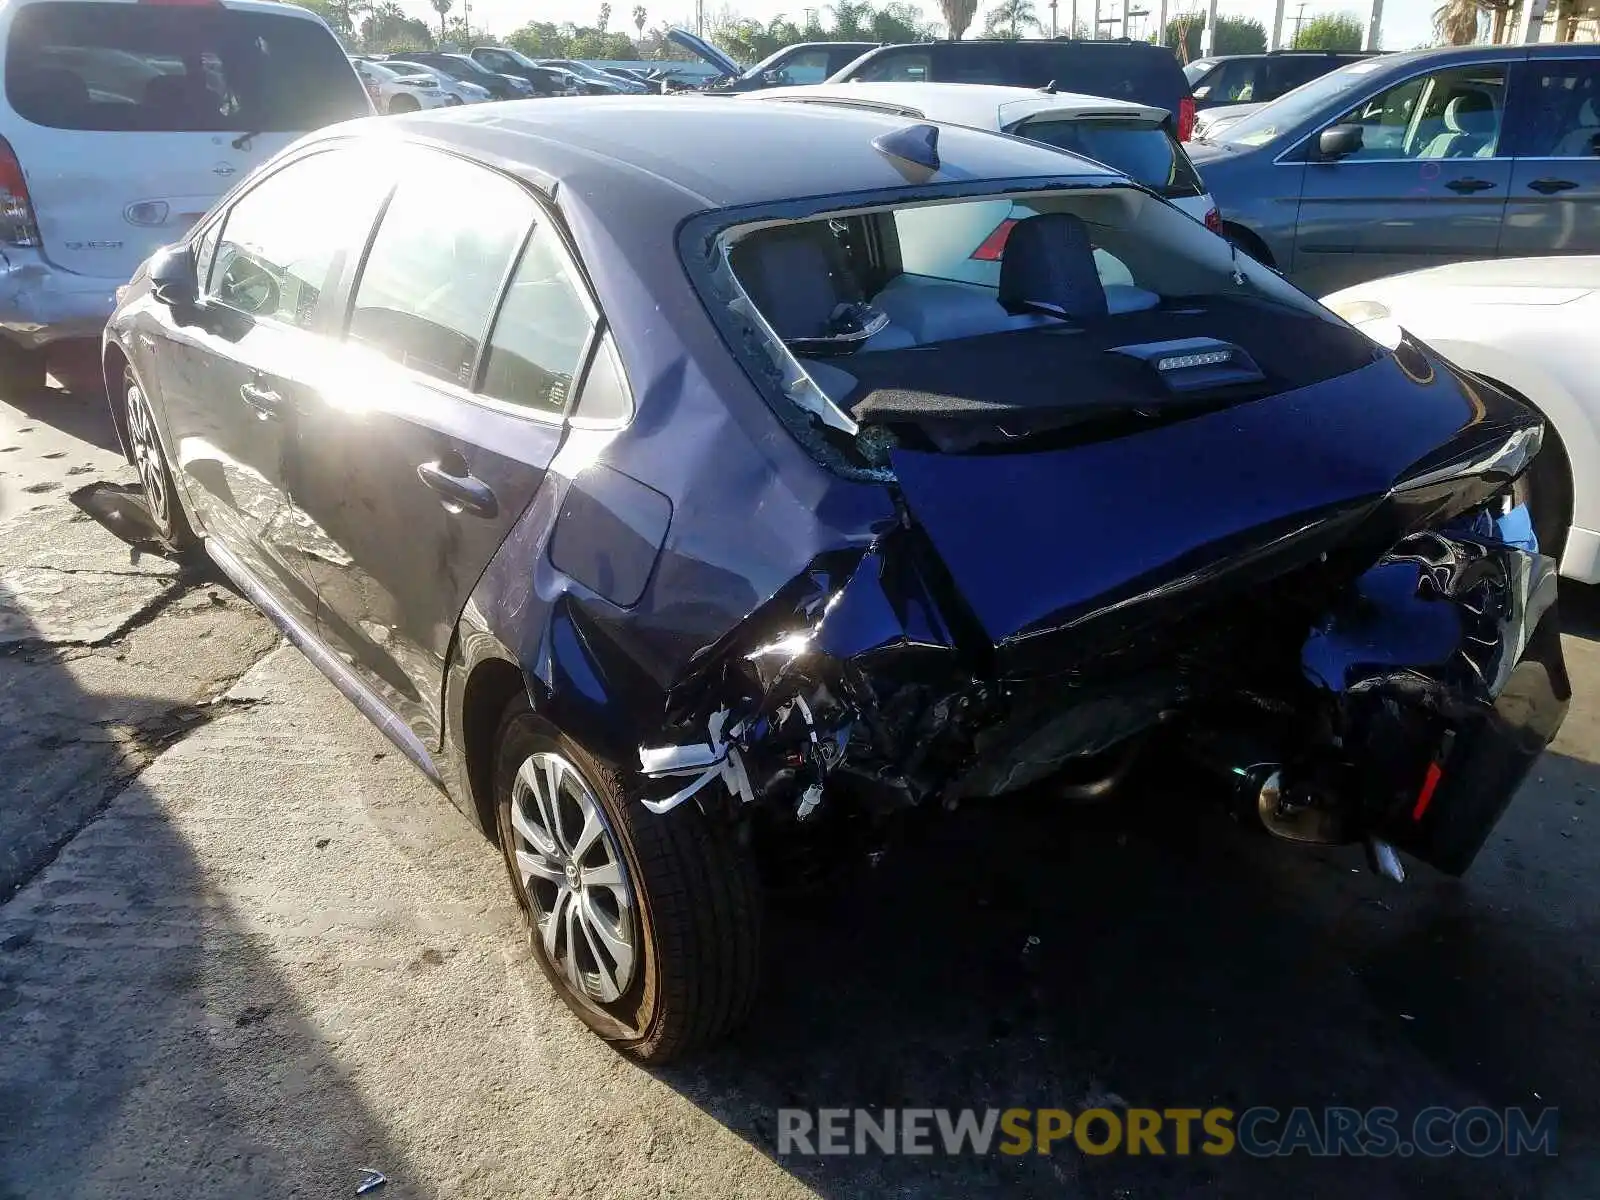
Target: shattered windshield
{"points": [[982, 322]]}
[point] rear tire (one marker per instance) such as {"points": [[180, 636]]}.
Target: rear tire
{"points": [[403, 104], [1249, 243], [675, 892], [21, 370]]}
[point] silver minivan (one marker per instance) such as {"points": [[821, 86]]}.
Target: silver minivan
{"points": [[1414, 160]]}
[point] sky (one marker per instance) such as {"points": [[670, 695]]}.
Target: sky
{"points": [[1406, 23]]}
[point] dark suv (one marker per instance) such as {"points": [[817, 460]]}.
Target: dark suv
{"points": [[1257, 78], [1119, 70]]}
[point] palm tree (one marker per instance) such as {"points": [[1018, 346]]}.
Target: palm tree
{"points": [[1455, 22], [1009, 18], [638, 18], [605, 17], [441, 7], [957, 16]]}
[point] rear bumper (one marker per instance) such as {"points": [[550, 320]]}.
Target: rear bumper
{"points": [[41, 303]]}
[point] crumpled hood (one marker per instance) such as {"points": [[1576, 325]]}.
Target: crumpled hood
{"points": [[1040, 543]]}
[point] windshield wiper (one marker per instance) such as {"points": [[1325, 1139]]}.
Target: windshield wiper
{"points": [[242, 142]]}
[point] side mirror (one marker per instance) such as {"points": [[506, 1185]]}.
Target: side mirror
{"points": [[173, 279], [1201, 92], [1338, 141]]}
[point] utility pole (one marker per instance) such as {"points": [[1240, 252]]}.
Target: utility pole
{"points": [[1530, 19], [1298, 18], [1053, 30], [699, 18], [1374, 26], [1208, 37], [1275, 42], [1095, 34]]}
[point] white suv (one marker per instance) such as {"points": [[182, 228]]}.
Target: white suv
{"points": [[121, 122]]}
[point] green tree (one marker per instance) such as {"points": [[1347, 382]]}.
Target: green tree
{"points": [[605, 18], [639, 18], [1455, 22], [852, 19], [386, 27], [1330, 31], [441, 7], [899, 22], [1010, 19], [1235, 35]]}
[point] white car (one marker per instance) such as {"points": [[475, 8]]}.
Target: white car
{"points": [[121, 123], [464, 92], [1529, 326], [400, 91], [1136, 139]]}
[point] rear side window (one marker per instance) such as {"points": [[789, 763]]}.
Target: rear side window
{"points": [[898, 66], [541, 332], [440, 258], [1142, 150], [169, 68], [282, 242]]}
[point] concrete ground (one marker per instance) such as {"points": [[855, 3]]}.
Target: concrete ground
{"points": [[245, 950]]}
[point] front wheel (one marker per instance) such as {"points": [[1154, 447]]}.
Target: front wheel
{"points": [[144, 444], [648, 926]]}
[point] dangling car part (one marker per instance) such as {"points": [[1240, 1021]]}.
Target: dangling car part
{"points": [[739, 478]]}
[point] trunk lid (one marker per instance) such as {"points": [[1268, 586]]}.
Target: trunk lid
{"points": [[126, 115], [705, 51], [1039, 544]]}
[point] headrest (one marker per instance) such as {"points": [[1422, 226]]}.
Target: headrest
{"points": [[1470, 112], [1049, 267], [797, 275]]}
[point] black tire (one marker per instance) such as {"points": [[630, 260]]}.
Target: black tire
{"points": [[162, 501], [696, 913], [21, 370], [403, 104], [1549, 499], [1249, 243]]}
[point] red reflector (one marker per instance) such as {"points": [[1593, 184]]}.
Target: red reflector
{"points": [[993, 246], [1213, 220], [1430, 784], [1185, 118]]}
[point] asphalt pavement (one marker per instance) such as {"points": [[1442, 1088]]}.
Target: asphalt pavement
{"points": [[246, 950]]}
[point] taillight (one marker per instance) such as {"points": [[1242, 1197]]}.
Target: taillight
{"points": [[994, 246], [17, 224], [1185, 118], [1213, 220]]}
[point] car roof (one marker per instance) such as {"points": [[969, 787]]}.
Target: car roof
{"points": [[981, 105], [645, 155]]}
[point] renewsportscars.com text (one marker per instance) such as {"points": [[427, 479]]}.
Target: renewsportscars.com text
{"points": [[1259, 1132]]}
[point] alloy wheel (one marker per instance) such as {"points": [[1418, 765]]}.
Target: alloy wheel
{"points": [[572, 872], [147, 457]]}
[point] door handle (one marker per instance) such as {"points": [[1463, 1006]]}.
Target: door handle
{"points": [[1469, 185], [265, 401], [1549, 187], [460, 490]]}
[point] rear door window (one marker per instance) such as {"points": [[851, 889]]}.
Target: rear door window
{"points": [[898, 66], [436, 268], [99, 66], [808, 66], [1142, 150]]}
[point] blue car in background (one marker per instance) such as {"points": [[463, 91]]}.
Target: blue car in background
{"points": [[1416, 160], [663, 481]]}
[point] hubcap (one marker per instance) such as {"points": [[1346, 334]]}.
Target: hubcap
{"points": [[147, 455], [574, 878]]}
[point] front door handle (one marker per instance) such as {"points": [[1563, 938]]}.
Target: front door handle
{"points": [[1549, 187], [1469, 185], [265, 401], [459, 490]]}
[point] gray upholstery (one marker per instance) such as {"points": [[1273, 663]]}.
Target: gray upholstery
{"points": [[1470, 124], [797, 275], [1581, 142], [923, 310]]}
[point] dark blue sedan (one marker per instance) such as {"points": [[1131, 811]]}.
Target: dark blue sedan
{"points": [[693, 489]]}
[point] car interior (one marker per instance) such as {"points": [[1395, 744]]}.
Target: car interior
{"points": [[1090, 306]]}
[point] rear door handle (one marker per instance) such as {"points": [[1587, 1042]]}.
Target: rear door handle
{"points": [[1549, 187], [265, 401], [1469, 185], [460, 490]]}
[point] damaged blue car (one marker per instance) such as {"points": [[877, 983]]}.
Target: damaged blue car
{"points": [[687, 487]]}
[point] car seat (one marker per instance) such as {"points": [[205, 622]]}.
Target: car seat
{"points": [[1049, 268], [1581, 142], [1470, 126]]}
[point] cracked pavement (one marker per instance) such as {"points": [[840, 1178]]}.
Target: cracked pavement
{"points": [[247, 951]]}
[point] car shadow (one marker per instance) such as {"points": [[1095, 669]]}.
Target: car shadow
{"points": [[84, 415], [1031, 956], [152, 1047]]}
